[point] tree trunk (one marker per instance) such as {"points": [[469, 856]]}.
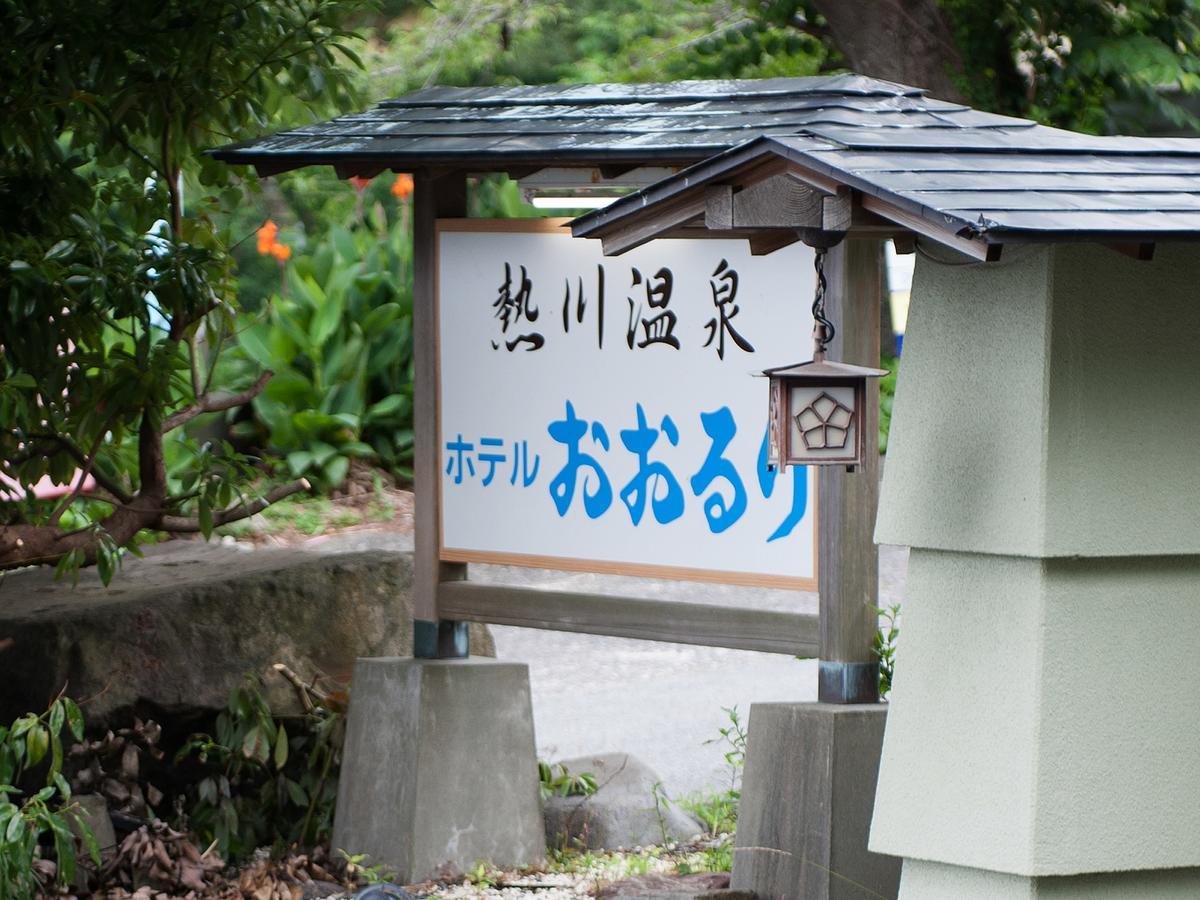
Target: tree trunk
{"points": [[905, 41]]}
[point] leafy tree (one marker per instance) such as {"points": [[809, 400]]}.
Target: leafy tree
{"points": [[1091, 65], [117, 294]]}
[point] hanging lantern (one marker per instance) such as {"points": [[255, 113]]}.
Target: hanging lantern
{"points": [[817, 408]]}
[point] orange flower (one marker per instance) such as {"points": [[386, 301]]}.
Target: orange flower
{"points": [[266, 237], [360, 183], [402, 187], [281, 251]]}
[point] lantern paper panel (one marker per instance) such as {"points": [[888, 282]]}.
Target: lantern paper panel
{"points": [[822, 423]]}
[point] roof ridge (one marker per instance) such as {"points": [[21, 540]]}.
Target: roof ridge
{"points": [[580, 93]]}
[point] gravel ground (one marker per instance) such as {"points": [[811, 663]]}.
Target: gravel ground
{"points": [[661, 702]]}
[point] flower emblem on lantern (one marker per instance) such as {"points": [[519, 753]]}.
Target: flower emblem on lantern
{"points": [[825, 423]]}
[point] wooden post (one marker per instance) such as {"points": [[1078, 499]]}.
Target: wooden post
{"points": [[848, 567], [433, 637]]}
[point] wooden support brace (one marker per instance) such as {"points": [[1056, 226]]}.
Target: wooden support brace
{"points": [[646, 619]]}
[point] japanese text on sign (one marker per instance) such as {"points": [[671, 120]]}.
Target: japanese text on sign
{"points": [[599, 413]]}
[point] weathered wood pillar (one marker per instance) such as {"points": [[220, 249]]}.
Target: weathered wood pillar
{"points": [[433, 637], [848, 563]]}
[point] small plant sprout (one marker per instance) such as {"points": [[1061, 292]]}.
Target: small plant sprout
{"points": [[884, 647]]}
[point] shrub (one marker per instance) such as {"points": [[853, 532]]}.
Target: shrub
{"points": [[339, 340], [29, 743]]}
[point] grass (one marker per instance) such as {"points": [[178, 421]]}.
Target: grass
{"points": [[667, 860], [310, 516], [716, 812]]}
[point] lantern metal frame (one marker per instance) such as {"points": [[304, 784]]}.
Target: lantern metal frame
{"points": [[819, 373]]}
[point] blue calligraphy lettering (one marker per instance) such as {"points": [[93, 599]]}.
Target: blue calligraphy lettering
{"points": [[766, 482], [570, 432], [640, 440], [521, 454], [720, 512], [490, 458], [460, 451]]}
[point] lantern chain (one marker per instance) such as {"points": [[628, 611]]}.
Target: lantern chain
{"points": [[823, 330]]}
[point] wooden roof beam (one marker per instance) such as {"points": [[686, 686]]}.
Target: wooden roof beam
{"points": [[679, 211], [976, 248]]}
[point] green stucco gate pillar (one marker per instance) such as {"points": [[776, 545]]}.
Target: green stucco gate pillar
{"points": [[1044, 467]]}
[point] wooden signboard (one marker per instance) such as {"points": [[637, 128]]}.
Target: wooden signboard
{"points": [[602, 414]]}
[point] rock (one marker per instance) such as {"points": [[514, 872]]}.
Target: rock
{"points": [[176, 630], [383, 892], [622, 812], [698, 886], [315, 890]]}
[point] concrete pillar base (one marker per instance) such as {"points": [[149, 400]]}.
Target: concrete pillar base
{"points": [[439, 770], [807, 795], [937, 881]]}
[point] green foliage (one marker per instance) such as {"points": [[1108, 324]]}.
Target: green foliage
{"points": [[717, 812], [32, 743], [360, 869], [556, 781], [117, 296], [1094, 67], [884, 648], [718, 858], [662, 803], [339, 341], [263, 781], [483, 876], [548, 41], [887, 396]]}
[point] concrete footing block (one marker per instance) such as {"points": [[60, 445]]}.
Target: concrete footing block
{"points": [[807, 796], [440, 768]]}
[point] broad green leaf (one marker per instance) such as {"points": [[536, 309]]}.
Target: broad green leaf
{"points": [[16, 828], [255, 745], [37, 743], [380, 318], [299, 461], [57, 715], [343, 242], [84, 830], [74, 718], [281, 747], [336, 469], [386, 407], [254, 341], [296, 793], [326, 319]]}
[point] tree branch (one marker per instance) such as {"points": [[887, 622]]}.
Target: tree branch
{"points": [[184, 524], [84, 471], [207, 403], [81, 459]]}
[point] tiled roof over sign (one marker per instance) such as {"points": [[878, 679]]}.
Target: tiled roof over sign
{"points": [[675, 123], [982, 183], [965, 173]]}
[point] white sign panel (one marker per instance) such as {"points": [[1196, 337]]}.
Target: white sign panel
{"points": [[601, 414]]}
